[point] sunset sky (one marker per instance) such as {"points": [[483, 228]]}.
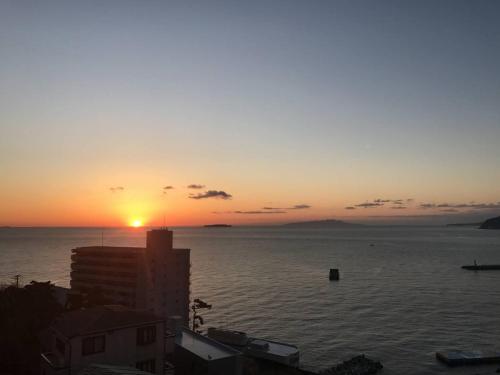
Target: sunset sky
{"points": [[278, 111]]}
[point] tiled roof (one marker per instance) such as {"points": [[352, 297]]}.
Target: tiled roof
{"points": [[100, 319]]}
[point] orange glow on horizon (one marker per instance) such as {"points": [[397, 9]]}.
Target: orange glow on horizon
{"points": [[136, 223]]}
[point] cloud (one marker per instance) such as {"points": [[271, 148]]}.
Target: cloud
{"points": [[259, 212], [381, 202], [218, 194], [399, 207], [472, 205], [195, 186], [295, 207], [350, 208], [427, 205], [116, 189], [167, 188], [299, 207], [369, 205], [450, 210]]}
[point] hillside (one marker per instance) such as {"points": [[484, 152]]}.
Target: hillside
{"points": [[493, 223]]}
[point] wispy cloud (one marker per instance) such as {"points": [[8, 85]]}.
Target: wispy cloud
{"points": [[217, 194], [295, 207], [369, 205], [398, 207], [299, 207], [167, 188], [379, 202], [258, 212], [195, 186], [427, 205], [116, 189], [472, 205], [350, 208]]}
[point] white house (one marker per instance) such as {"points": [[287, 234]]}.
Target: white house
{"points": [[113, 335]]}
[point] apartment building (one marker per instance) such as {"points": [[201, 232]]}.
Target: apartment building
{"points": [[155, 277]]}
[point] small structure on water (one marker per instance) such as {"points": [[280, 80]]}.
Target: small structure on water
{"points": [[472, 357], [334, 274], [484, 267]]}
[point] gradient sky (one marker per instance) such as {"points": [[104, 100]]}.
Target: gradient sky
{"points": [[328, 104]]}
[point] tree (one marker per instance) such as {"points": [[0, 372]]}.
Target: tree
{"points": [[24, 313], [89, 298], [198, 304]]}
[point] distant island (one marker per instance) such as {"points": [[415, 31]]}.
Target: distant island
{"points": [[464, 224], [218, 226], [493, 223], [330, 223]]}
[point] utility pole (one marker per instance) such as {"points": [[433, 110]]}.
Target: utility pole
{"points": [[17, 277]]}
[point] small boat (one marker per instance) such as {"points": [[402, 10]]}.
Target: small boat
{"points": [[473, 357]]}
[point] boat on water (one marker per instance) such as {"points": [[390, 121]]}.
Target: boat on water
{"points": [[472, 357], [274, 351]]}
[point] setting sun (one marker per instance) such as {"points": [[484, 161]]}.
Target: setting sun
{"points": [[136, 223]]}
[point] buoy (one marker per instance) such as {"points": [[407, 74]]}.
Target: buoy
{"points": [[334, 274]]}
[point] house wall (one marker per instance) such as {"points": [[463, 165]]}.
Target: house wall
{"points": [[120, 349]]}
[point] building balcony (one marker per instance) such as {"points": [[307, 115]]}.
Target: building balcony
{"points": [[129, 273], [103, 260], [83, 283]]}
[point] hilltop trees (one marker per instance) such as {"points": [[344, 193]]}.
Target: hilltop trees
{"points": [[24, 313]]}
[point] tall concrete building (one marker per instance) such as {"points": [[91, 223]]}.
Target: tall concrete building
{"points": [[155, 277]]}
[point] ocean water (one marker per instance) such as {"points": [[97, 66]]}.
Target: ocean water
{"points": [[398, 301]]}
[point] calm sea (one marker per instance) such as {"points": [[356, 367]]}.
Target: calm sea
{"points": [[399, 300]]}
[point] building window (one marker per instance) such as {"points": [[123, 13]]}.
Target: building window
{"points": [[148, 366], [60, 346], [92, 345], [146, 335]]}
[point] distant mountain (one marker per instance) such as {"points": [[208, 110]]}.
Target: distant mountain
{"points": [[330, 223], [217, 226], [493, 223]]}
